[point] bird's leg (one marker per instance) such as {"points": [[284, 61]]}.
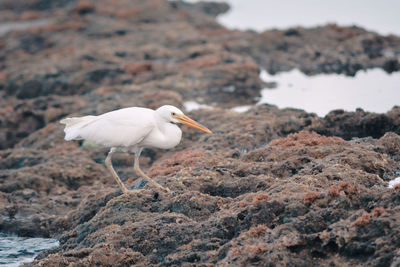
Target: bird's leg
{"points": [[144, 176], [114, 174]]}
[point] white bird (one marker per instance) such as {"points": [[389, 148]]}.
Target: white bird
{"points": [[131, 129]]}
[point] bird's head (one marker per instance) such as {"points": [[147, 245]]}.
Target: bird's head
{"points": [[175, 115]]}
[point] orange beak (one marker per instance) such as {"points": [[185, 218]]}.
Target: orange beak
{"points": [[188, 121]]}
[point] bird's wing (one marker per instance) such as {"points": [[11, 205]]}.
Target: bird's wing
{"points": [[122, 128]]}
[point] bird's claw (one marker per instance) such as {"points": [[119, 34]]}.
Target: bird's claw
{"points": [[162, 188], [131, 192]]}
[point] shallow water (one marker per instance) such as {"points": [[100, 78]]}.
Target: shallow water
{"points": [[372, 90], [193, 105], [15, 250], [7, 27]]}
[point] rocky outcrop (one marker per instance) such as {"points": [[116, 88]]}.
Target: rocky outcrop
{"points": [[301, 199], [270, 186]]}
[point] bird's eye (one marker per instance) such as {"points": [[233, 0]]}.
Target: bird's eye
{"points": [[173, 113]]}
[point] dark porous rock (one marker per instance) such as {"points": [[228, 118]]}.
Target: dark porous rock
{"points": [[358, 123], [38, 188], [270, 186], [210, 8], [304, 198], [20, 5], [329, 49]]}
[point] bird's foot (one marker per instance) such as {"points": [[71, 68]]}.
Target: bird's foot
{"points": [[142, 183], [137, 191], [131, 192], [162, 188]]}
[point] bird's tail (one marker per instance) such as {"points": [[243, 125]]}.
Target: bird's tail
{"points": [[74, 125]]}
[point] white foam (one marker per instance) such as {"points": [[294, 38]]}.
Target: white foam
{"points": [[241, 109], [394, 182], [7, 27], [192, 105]]}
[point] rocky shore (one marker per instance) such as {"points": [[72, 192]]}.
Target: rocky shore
{"points": [[269, 187]]}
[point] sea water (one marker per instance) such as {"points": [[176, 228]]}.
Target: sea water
{"points": [[15, 250], [6, 27], [373, 90]]}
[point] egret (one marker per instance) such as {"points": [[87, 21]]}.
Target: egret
{"points": [[131, 129]]}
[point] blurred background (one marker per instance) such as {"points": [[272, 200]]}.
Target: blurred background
{"points": [[259, 15], [372, 90]]}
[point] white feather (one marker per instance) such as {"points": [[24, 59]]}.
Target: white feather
{"points": [[73, 126], [128, 127], [120, 128], [132, 128]]}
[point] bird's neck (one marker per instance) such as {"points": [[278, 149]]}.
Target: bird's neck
{"points": [[171, 133]]}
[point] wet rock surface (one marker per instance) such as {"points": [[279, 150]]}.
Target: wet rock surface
{"points": [[327, 49], [298, 200], [269, 187]]}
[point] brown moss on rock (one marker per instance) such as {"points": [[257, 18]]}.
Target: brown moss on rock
{"points": [[137, 67], [378, 211], [310, 197], [396, 187], [363, 220], [305, 138], [178, 161], [251, 193], [83, 7]]}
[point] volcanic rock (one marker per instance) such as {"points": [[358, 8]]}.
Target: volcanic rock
{"points": [[269, 187]]}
